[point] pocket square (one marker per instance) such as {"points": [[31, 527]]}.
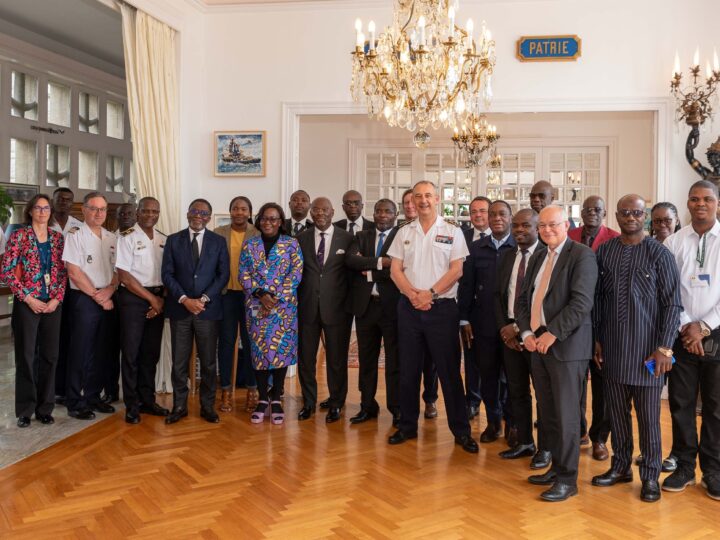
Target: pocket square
{"points": [[340, 252]]}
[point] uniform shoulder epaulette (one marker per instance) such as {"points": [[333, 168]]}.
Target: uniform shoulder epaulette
{"points": [[127, 231], [451, 222], [73, 230], [406, 222], [160, 232]]}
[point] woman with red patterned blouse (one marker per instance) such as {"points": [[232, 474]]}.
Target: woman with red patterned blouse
{"points": [[33, 269]]}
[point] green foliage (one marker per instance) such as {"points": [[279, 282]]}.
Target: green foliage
{"points": [[6, 204]]}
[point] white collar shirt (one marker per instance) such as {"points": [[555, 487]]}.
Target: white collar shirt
{"points": [[699, 285], [359, 222], [478, 234], [69, 224], [200, 236], [328, 240], [93, 254], [141, 255], [498, 243], [513, 276], [427, 256]]}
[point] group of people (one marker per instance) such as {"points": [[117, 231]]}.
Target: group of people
{"points": [[529, 300]]}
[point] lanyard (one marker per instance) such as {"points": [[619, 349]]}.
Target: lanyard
{"points": [[700, 256]]}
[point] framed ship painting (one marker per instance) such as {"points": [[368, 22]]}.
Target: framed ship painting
{"points": [[239, 153]]}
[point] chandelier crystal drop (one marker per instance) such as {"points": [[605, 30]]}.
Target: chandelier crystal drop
{"points": [[423, 71]]}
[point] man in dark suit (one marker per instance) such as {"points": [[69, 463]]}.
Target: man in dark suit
{"points": [[517, 361], [479, 331], [195, 269], [553, 315], [322, 299], [479, 208], [542, 195], [374, 304], [299, 206], [353, 207]]}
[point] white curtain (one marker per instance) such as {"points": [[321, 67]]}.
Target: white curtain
{"points": [[150, 71]]}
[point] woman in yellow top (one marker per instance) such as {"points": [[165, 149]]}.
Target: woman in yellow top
{"points": [[236, 235]]}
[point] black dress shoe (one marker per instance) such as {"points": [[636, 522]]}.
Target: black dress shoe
{"points": [[23, 421], [102, 407], [491, 434], [325, 404], [110, 398], [82, 414], [305, 413], [520, 450], [46, 419], [175, 416], [650, 491], [612, 477], [559, 492], [399, 437], [333, 415], [60, 400], [396, 419], [543, 479], [473, 411], [511, 436], [132, 416], [154, 410], [541, 459], [210, 416], [468, 444], [363, 416]]}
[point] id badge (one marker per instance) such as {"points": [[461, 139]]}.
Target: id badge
{"points": [[46, 277], [700, 281]]}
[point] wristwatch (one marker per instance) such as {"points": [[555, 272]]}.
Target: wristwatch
{"points": [[665, 351], [516, 328], [434, 294], [704, 329]]}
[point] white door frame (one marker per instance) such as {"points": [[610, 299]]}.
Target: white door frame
{"points": [[662, 107]]}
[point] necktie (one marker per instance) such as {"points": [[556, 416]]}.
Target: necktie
{"points": [[321, 251], [520, 274], [536, 311], [296, 228], [195, 248], [352, 228], [378, 250]]}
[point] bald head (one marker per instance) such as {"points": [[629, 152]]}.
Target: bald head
{"points": [[352, 204], [322, 212], [553, 226], [541, 195], [630, 216], [631, 199]]}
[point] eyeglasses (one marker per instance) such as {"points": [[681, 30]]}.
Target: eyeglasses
{"points": [[636, 213], [596, 209], [41, 208], [663, 221], [270, 220], [96, 210], [549, 225], [199, 213]]}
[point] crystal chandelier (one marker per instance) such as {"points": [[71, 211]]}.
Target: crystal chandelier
{"points": [[694, 102], [423, 71], [477, 143]]}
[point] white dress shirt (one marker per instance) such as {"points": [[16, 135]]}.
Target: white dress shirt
{"points": [[478, 232], [359, 222], [93, 254], [200, 236], [328, 239], [513, 276], [699, 285]]}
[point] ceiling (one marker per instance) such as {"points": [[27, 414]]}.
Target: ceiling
{"points": [[85, 30]]}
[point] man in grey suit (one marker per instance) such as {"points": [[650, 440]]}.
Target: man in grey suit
{"points": [[554, 317], [322, 308]]}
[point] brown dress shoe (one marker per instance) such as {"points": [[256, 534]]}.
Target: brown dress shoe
{"points": [[584, 440], [252, 399], [225, 402], [600, 451], [430, 410]]}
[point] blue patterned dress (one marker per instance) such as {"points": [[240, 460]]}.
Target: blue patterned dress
{"points": [[273, 339]]}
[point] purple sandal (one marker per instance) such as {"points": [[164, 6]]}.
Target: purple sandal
{"points": [[277, 415], [258, 414]]}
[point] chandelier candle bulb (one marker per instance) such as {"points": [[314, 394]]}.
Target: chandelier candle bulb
{"points": [[716, 63], [421, 28], [361, 41], [469, 28], [696, 58], [676, 67], [371, 31], [708, 69]]}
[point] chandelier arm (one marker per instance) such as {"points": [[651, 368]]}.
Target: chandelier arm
{"points": [[412, 10]]}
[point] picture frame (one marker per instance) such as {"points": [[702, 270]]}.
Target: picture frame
{"points": [[20, 193], [239, 153], [221, 219]]}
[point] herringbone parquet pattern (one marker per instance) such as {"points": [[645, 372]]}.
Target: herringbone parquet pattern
{"points": [[310, 480]]}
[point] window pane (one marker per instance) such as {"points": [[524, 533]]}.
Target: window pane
{"points": [[24, 99], [88, 114], [58, 104], [58, 166], [23, 161], [114, 174], [115, 120], [88, 170]]}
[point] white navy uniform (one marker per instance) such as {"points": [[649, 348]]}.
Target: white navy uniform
{"points": [[141, 256], [88, 355], [69, 224], [426, 257]]}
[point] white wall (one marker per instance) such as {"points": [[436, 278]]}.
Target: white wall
{"points": [[240, 64]]}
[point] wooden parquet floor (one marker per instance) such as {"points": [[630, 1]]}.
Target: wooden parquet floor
{"points": [[311, 480]]}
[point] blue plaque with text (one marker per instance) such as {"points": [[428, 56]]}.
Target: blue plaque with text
{"points": [[548, 48]]}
